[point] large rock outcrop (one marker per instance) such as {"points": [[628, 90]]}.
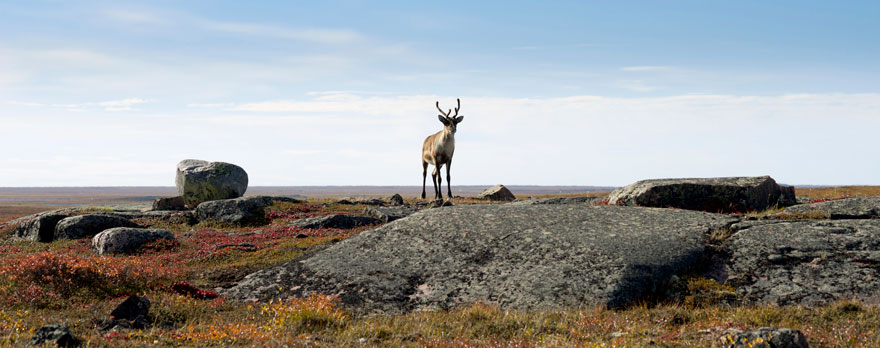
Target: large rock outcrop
{"points": [[527, 256], [805, 262], [727, 195], [241, 211], [202, 181]]}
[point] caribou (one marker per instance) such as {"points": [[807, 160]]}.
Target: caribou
{"points": [[438, 149]]}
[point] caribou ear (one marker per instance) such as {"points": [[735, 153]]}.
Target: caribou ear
{"points": [[443, 120], [459, 119]]}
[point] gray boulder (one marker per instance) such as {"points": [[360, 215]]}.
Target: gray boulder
{"points": [[58, 335], [804, 262], [769, 337], [388, 214], [497, 193], [38, 227], [727, 195], [82, 226], [847, 208], [340, 221], [539, 256], [169, 203], [125, 240], [201, 181], [241, 211]]}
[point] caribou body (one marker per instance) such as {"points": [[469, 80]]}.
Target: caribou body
{"points": [[438, 149]]}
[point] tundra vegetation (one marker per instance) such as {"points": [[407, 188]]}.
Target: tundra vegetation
{"points": [[65, 282]]}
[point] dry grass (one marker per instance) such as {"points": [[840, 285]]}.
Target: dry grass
{"points": [[838, 192]]}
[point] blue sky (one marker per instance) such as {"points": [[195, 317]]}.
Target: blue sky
{"points": [[105, 93]]}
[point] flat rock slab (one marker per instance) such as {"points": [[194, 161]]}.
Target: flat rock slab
{"points": [[847, 208], [340, 221], [536, 256], [388, 214], [730, 195], [241, 211], [82, 226], [558, 200], [806, 262], [125, 240]]}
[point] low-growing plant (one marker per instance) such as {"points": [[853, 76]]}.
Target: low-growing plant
{"points": [[40, 277]]}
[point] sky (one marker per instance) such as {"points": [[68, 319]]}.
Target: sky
{"points": [[603, 93]]}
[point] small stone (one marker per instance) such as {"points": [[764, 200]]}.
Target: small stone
{"points": [[396, 200], [58, 334], [767, 337]]}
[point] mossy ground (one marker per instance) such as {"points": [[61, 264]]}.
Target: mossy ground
{"points": [[63, 282]]}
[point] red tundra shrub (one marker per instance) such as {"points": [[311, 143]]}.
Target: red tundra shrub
{"points": [[68, 274]]}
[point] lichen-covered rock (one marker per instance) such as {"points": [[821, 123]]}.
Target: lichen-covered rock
{"points": [[125, 240], [202, 181], [847, 208], [340, 221], [169, 203], [768, 337], [241, 211], [38, 227], [59, 335], [497, 193], [534, 256], [82, 226], [558, 200], [804, 262], [388, 214], [728, 195]]}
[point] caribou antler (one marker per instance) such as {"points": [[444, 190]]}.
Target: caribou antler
{"points": [[441, 110], [457, 107]]}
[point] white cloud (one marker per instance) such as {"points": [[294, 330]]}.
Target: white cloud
{"points": [[321, 35], [646, 68], [636, 85], [209, 105], [130, 16], [110, 105]]}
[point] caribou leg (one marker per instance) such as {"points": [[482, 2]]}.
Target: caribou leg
{"points": [[434, 181], [437, 169], [448, 180], [424, 177]]}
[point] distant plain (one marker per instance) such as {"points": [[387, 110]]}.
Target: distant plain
{"points": [[20, 201]]}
